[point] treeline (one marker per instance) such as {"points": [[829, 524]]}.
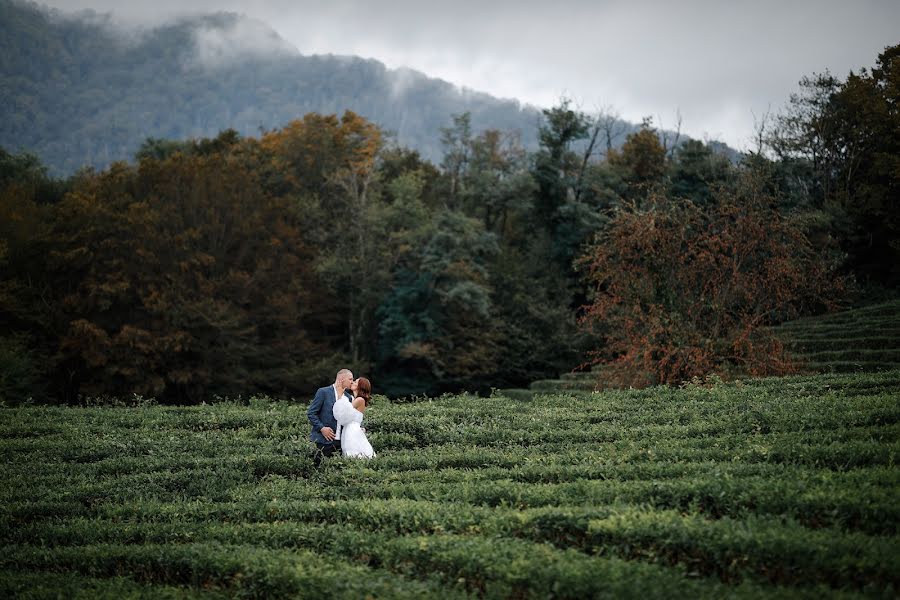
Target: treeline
{"points": [[238, 265]]}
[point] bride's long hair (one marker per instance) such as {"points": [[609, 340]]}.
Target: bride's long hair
{"points": [[364, 389]]}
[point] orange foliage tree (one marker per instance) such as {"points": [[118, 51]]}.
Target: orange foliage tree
{"points": [[181, 278], [681, 292], [326, 166]]}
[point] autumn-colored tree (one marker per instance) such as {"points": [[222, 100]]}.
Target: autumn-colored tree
{"points": [[182, 279], [681, 292], [327, 168], [641, 161]]}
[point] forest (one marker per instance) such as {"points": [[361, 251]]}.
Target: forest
{"points": [[217, 267]]}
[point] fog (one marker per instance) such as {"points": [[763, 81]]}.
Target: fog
{"points": [[715, 63]]}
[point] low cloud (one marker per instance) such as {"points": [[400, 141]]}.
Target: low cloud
{"points": [[717, 62], [217, 43]]}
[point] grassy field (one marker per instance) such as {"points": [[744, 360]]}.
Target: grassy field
{"points": [[763, 488]]}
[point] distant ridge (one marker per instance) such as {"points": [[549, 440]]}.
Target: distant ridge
{"points": [[78, 91]]}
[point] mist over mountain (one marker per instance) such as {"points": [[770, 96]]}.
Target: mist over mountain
{"points": [[81, 90]]}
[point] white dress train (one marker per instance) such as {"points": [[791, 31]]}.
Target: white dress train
{"points": [[353, 439]]}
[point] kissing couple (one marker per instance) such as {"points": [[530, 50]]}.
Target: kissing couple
{"points": [[336, 415]]}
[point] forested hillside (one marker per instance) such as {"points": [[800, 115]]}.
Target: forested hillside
{"points": [[79, 91], [238, 263]]}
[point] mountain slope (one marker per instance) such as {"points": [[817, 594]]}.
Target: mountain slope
{"points": [[79, 91]]}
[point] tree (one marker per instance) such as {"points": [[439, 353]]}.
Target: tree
{"points": [[840, 141], [327, 167], [182, 279], [641, 160], [536, 328], [436, 324], [29, 319], [681, 292], [863, 141], [497, 187], [800, 133], [565, 212], [696, 171], [609, 122], [457, 143], [557, 166], [396, 162]]}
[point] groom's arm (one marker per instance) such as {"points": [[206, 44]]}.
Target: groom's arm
{"points": [[315, 407]]}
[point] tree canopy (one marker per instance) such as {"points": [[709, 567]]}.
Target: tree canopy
{"points": [[233, 264]]}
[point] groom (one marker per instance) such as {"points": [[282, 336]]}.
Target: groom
{"points": [[321, 415]]}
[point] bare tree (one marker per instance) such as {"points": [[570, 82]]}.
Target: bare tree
{"points": [[607, 123], [612, 126], [760, 129], [665, 134], [594, 132]]}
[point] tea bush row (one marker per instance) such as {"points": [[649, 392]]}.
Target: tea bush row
{"points": [[754, 488], [765, 547]]}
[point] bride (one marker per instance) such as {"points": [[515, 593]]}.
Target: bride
{"points": [[353, 437]]}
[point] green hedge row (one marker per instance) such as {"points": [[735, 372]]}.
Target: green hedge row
{"points": [[775, 486], [829, 342], [43, 585], [767, 548], [247, 571], [289, 559]]}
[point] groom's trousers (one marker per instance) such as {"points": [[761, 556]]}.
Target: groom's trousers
{"points": [[325, 450]]}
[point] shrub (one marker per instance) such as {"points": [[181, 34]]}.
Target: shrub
{"points": [[683, 291]]}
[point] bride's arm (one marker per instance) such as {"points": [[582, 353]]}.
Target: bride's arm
{"points": [[342, 411], [359, 404]]}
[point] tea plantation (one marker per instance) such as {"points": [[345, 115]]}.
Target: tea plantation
{"points": [[855, 340], [862, 339], [762, 489]]}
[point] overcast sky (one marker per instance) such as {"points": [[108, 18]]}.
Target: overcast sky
{"points": [[717, 62]]}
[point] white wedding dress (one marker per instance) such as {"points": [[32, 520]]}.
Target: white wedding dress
{"points": [[353, 439]]}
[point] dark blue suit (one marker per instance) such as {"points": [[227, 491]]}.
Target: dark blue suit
{"points": [[321, 414]]}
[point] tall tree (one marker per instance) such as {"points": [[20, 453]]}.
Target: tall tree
{"points": [[864, 140], [498, 188], [696, 171], [845, 133], [182, 279], [457, 143], [557, 165], [327, 166], [641, 161], [682, 292], [28, 318], [436, 324]]}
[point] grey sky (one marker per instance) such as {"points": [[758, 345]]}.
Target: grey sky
{"points": [[716, 61]]}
